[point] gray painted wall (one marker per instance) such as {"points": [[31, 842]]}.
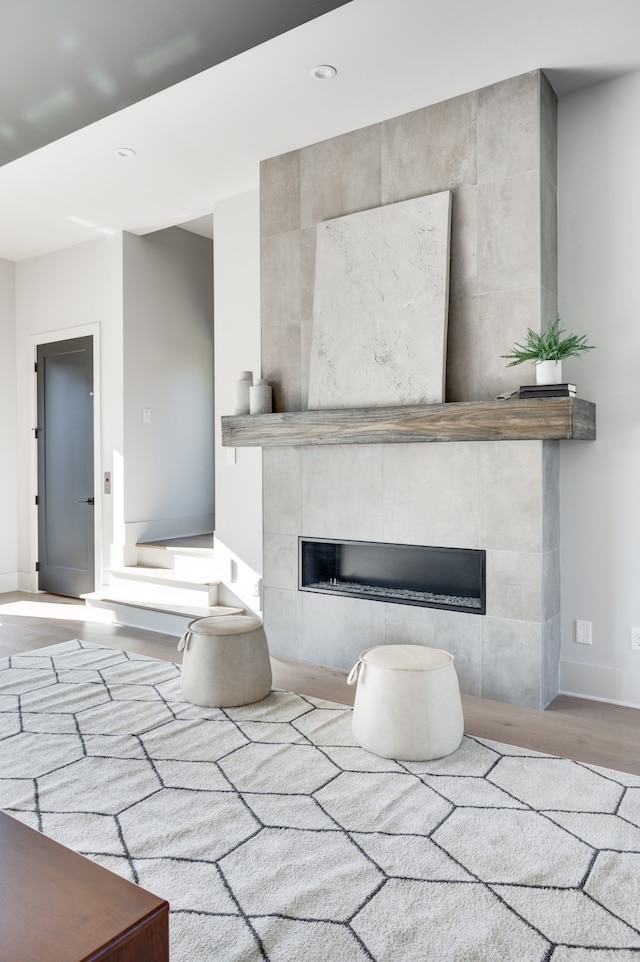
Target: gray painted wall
{"points": [[168, 369]]}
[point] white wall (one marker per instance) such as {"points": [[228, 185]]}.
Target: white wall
{"points": [[57, 295], [168, 370], [236, 247], [8, 491], [599, 287]]}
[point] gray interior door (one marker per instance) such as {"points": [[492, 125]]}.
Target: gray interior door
{"points": [[65, 467]]}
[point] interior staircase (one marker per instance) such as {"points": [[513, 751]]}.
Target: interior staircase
{"points": [[172, 583]]}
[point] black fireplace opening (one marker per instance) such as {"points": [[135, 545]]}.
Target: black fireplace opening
{"points": [[404, 574]]}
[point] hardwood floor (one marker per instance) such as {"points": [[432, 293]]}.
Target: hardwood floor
{"points": [[587, 731]]}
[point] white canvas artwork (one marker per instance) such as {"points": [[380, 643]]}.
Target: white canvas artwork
{"points": [[380, 306]]}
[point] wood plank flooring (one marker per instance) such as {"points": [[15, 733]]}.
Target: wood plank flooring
{"points": [[587, 731]]}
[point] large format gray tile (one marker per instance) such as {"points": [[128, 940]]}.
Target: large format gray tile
{"points": [[550, 660], [462, 380], [430, 494], [549, 235], [550, 495], [430, 149], [281, 364], [509, 233], [457, 632], [340, 176], [503, 319], [280, 561], [280, 193], [508, 136], [463, 278], [342, 492], [281, 490], [511, 495], [548, 131], [336, 630], [549, 310], [550, 584], [307, 271], [511, 656], [514, 585], [281, 294], [306, 332], [283, 623]]}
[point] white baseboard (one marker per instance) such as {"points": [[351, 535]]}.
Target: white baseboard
{"points": [[616, 686], [27, 581]]}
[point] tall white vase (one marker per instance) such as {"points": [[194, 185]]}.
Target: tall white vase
{"points": [[549, 372], [243, 384]]}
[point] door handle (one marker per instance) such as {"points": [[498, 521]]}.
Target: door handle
{"points": [[87, 501]]}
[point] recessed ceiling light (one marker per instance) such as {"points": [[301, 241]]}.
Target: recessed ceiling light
{"points": [[125, 152], [324, 71]]}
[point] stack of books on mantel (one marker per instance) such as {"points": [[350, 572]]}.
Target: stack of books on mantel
{"points": [[547, 390]]}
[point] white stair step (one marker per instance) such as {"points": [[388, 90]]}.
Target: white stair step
{"points": [[161, 575], [171, 619], [164, 585], [197, 561]]}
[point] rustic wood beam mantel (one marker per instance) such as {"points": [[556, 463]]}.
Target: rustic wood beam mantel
{"points": [[513, 420]]}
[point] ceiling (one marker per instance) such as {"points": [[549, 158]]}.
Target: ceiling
{"points": [[66, 64], [202, 90]]}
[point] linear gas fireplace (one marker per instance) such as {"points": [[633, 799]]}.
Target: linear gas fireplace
{"points": [[433, 577]]}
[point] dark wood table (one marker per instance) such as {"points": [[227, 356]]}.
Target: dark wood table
{"points": [[58, 906]]}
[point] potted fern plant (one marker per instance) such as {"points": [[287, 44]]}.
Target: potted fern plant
{"points": [[547, 350]]}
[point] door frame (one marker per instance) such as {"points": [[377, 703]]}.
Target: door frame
{"points": [[48, 337]]}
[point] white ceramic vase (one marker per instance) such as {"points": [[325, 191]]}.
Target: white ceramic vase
{"points": [[260, 397], [549, 372], [243, 384]]}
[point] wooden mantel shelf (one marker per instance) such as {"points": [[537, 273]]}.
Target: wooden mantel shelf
{"points": [[514, 420]]}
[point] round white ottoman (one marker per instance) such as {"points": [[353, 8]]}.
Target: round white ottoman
{"points": [[225, 661], [407, 703]]}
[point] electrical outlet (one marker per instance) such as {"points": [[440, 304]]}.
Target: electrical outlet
{"points": [[583, 632], [635, 639], [256, 587]]}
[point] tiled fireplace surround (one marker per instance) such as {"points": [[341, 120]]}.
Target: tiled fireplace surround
{"points": [[495, 149]]}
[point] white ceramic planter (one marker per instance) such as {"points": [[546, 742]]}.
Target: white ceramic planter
{"points": [[549, 372]]}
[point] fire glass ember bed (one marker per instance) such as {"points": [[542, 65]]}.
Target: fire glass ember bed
{"points": [[452, 578]]}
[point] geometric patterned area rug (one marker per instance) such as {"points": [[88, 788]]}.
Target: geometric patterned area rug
{"points": [[273, 836]]}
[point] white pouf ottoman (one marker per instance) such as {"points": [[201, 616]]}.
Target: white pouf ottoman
{"points": [[407, 703], [225, 661]]}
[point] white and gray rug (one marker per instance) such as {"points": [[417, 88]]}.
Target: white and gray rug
{"points": [[274, 837]]}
